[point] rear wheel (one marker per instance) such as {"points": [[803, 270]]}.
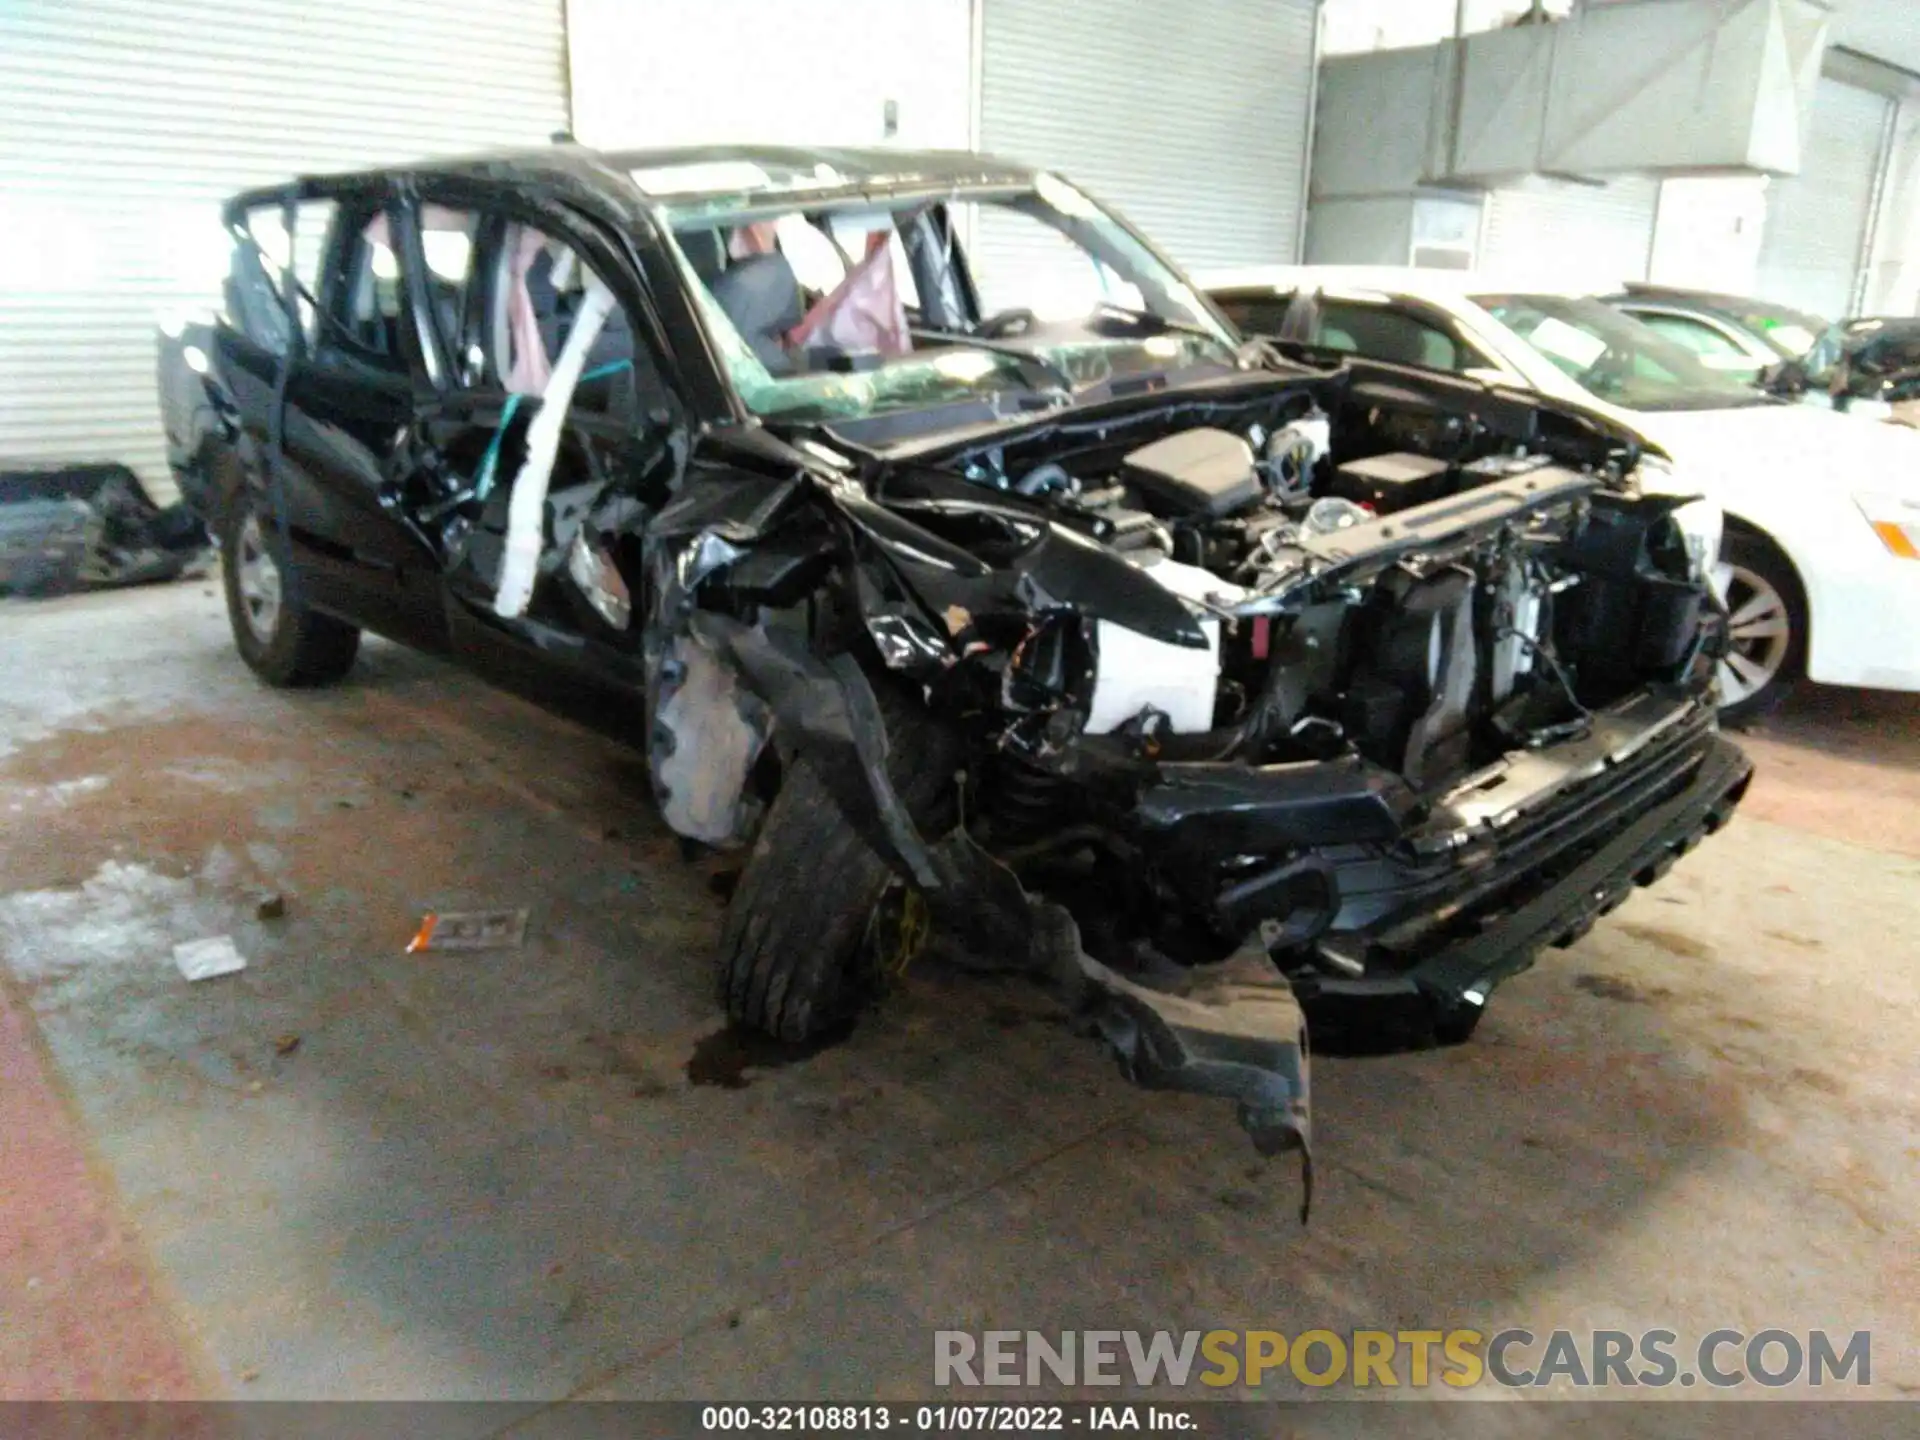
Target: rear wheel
{"points": [[283, 641], [797, 955], [1767, 620]]}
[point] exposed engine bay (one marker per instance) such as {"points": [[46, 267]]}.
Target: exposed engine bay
{"points": [[1360, 605]]}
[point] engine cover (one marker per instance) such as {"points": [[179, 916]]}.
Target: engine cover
{"points": [[1202, 472]]}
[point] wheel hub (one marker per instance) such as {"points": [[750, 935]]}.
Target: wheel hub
{"points": [[257, 577], [1759, 632]]}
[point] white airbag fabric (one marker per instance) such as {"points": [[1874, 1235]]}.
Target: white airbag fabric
{"points": [[527, 509]]}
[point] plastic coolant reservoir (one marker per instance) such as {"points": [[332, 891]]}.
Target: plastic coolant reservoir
{"points": [[1136, 671]]}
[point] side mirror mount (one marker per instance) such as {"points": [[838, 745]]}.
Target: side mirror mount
{"points": [[1784, 377]]}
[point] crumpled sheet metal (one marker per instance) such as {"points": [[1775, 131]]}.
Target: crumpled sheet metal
{"points": [[1233, 1030]]}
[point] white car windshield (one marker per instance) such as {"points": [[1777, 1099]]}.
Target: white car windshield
{"points": [[1616, 357], [853, 308]]}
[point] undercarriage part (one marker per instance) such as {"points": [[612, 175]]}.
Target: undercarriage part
{"points": [[1235, 1031], [1231, 1030]]}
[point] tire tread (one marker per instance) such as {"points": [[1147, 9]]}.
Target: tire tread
{"points": [[796, 924]]}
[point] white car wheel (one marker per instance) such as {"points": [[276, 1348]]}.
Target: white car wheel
{"points": [[1764, 629]]}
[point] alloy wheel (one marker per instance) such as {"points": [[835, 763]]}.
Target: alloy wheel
{"points": [[1760, 628]]}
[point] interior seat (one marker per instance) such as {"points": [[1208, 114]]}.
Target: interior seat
{"points": [[704, 251], [761, 296]]}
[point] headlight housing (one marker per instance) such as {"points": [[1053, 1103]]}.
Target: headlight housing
{"points": [[1895, 521], [1700, 523], [1653, 475]]}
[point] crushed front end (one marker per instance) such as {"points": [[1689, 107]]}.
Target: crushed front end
{"points": [[1237, 738]]}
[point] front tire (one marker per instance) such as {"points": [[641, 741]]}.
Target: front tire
{"points": [[1767, 618], [283, 641], [795, 957]]}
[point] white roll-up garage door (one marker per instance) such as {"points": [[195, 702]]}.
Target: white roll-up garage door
{"points": [[1810, 250], [123, 123], [1192, 119], [1564, 233]]}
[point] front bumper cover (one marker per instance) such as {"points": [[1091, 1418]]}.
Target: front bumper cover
{"points": [[1502, 913]]}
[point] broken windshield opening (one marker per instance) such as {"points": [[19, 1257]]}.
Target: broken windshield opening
{"points": [[858, 307]]}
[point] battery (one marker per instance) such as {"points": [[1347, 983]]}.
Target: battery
{"points": [[1392, 482]]}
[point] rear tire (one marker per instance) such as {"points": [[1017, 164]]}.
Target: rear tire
{"points": [[1768, 617], [795, 957], [283, 641]]}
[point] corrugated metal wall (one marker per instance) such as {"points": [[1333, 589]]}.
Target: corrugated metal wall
{"points": [[1191, 119], [1811, 250], [123, 123], [1559, 232]]}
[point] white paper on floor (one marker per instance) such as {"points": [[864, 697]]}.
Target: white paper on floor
{"points": [[204, 959]]}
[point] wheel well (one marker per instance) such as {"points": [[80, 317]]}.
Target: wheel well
{"points": [[1747, 529]]}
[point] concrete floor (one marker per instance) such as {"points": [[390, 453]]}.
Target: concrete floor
{"points": [[354, 1172]]}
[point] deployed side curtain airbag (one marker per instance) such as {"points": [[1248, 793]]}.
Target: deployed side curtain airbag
{"points": [[530, 373], [864, 314], [527, 509]]}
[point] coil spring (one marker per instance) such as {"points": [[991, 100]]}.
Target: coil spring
{"points": [[1022, 801]]}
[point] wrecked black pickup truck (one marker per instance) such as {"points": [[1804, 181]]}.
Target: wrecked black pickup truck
{"points": [[973, 574]]}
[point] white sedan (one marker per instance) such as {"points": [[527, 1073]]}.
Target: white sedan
{"points": [[1820, 565]]}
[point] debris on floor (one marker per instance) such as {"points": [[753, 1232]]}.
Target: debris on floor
{"points": [[83, 527], [271, 905], [470, 930], [208, 958]]}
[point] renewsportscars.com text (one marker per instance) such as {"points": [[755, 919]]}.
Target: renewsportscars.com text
{"points": [[1459, 1358]]}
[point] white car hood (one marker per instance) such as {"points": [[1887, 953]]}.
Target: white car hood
{"points": [[1786, 447]]}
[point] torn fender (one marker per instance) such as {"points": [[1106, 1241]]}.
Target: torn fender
{"points": [[827, 710], [1052, 568]]}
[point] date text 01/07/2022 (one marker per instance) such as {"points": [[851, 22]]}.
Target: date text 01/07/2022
{"points": [[943, 1419]]}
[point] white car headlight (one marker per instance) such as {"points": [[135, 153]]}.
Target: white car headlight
{"points": [[1700, 523], [1653, 475], [1895, 521]]}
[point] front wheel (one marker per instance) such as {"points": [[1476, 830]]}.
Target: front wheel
{"points": [[283, 641], [1767, 624], [796, 953]]}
